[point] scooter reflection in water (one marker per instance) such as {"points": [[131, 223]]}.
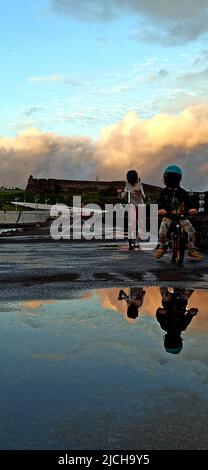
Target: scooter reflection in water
{"points": [[134, 300], [174, 317]]}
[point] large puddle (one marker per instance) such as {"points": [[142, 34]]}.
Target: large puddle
{"points": [[84, 374]]}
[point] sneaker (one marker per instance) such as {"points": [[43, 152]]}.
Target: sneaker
{"points": [[122, 295], [131, 245], [160, 252], [194, 254], [137, 246]]}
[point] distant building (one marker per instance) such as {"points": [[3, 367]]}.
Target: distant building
{"points": [[51, 185]]}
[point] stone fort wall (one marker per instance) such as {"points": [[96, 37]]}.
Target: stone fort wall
{"points": [[51, 185]]}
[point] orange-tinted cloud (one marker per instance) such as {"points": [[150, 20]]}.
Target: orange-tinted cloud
{"points": [[44, 155], [36, 304], [147, 145]]}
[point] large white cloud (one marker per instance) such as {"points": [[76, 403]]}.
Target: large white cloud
{"points": [[180, 20], [149, 145], [44, 155], [146, 145]]}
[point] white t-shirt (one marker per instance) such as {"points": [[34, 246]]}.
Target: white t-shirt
{"points": [[134, 199]]}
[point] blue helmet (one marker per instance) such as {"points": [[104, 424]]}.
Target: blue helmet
{"points": [[173, 342], [173, 169], [174, 350], [172, 176]]}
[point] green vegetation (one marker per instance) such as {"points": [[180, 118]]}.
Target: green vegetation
{"points": [[8, 195], [100, 197]]}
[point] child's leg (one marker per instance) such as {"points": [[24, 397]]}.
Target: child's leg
{"points": [[189, 229], [165, 294], [141, 219], [132, 223], [187, 294], [165, 224]]}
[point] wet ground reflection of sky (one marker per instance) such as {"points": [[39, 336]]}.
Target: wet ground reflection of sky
{"points": [[79, 374]]}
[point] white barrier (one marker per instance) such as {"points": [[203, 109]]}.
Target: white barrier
{"points": [[23, 217]]}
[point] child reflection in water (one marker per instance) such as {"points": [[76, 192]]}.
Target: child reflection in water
{"points": [[134, 300], [174, 317]]}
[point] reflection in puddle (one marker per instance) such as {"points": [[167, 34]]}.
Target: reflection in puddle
{"points": [[174, 314], [112, 368], [36, 304], [152, 300]]}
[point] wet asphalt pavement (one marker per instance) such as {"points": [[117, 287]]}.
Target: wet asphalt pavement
{"points": [[53, 270], [76, 371]]}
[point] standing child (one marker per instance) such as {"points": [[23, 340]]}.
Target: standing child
{"points": [[135, 192], [134, 300]]}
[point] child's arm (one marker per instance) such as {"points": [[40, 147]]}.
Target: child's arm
{"points": [[189, 204], [122, 193], [162, 209], [188, 317], [142, 192], [193, 211], [162, 212]]}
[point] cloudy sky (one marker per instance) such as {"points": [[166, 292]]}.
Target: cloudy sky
{"points": [[95, 87]]}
